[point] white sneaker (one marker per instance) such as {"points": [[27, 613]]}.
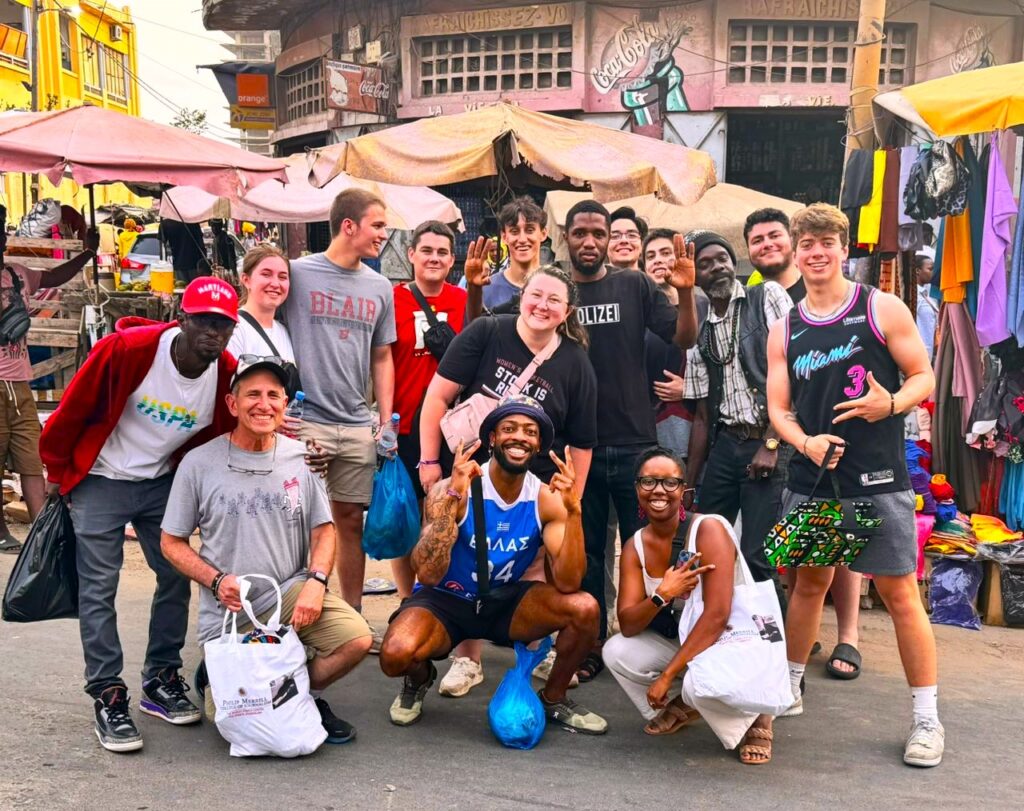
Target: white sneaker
{"points": [[462, 676], [543, 670], [925, 745], [796, 708], [378, 640]]}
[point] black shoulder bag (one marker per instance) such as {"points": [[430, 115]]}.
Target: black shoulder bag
{"points": [[439, 335], [294, 383], [15, 320]]}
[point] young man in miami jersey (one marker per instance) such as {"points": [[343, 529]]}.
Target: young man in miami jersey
{"points": [[522, 516], [842, 370]]}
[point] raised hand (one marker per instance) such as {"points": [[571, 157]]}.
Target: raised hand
{"points": [[465, 469], [683, 273], [679, 581], [876, 405], [475, 269], [564, 482]]}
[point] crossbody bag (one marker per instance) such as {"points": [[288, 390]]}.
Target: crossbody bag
{"points": [[439, 334], [461, 424], [14, 320], [294, 383]]}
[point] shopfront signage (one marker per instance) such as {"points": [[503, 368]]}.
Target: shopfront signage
{"points": [[253, 89], [252, 118], [494, 19], [356, 88], [803, 9]]}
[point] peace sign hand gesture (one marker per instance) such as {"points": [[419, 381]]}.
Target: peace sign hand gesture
{"points": [[465, 469], [473, 269], [683, 274], [876, 405], [564, 482]]}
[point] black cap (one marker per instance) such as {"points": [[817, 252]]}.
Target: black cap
{"points": [[702, 238], [526, 407], [253, 363]]}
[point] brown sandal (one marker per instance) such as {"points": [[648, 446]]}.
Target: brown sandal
{"points": [[672, 719], [749, 749]]}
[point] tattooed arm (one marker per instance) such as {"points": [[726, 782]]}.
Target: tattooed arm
{"points": [[432, 553]]}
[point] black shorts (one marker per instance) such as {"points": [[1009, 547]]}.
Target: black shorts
{"points": [[459, 617]]}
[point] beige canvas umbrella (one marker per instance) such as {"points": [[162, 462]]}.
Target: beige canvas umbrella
{"points": [[723, 208]]}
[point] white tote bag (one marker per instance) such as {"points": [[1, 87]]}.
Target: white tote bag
{"points": [[261, 692], [746, 669]]}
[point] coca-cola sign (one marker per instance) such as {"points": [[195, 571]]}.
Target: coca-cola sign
{"points": [[357, 88]]}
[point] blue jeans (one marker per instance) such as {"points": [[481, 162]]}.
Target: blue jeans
{"points": [[100, 509], [610, 478]]}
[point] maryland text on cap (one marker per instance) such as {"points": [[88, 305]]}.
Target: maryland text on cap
{"points": [[208, 294]]}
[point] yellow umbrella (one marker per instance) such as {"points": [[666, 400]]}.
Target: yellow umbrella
{"points": [[962, 103]]}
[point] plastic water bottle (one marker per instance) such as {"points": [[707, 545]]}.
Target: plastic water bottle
{"points": [[387, 444], [296, 406]]}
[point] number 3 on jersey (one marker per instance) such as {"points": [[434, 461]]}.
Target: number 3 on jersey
{"points": [[505, 575], [858, 375]]}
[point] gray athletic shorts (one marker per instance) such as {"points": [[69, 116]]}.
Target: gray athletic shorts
{"points": [[892, 551]]}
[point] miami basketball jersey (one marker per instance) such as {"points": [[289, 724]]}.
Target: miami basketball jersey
{"points": [[513, 539]]}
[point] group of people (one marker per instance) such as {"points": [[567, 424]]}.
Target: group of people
{"points": [[180, 426]]}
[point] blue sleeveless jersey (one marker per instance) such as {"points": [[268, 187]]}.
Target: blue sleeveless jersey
{"points": [[513, 539]]}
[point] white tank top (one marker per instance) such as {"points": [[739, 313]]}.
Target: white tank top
{"points": [[650, 583]]}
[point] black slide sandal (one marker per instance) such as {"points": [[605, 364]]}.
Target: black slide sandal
{"points": [[844, 653]]}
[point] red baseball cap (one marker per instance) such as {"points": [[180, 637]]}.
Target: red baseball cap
{"points": [[208, 294]]}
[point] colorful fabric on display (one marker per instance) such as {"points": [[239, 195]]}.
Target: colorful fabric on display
{"points": [[1011, 496], [889, 227], [992, 293], [977, 205], [957, 260], [989, 529], [940, 247], [1015, 298], [871, 212], [967, 369], [908, 155]]}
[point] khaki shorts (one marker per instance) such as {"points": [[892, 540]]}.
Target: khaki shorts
{"points": [[353, 456], [338, 625], [19, 429]]}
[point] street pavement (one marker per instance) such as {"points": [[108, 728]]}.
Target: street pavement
{"points": [[843, 753]]}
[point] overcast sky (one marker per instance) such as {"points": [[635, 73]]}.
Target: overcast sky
{"points": [[171, 42]]}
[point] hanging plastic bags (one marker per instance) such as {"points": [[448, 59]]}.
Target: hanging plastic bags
{"points": [[393, 520], [953, 593], [44, 582], [515, 712], [261, 691]]}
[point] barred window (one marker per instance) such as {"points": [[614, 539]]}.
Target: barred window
{"points": [[535, 59], [114, 74], [765, 52], [92, 74], [304, 91]]}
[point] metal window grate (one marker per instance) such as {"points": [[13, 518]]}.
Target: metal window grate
{"points": [[114, 74], [764, 52], [535, 59], [304, 92]]}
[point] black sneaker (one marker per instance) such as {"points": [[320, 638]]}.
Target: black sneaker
{"points": [[164, 697], [338, 731], [114, 725]]}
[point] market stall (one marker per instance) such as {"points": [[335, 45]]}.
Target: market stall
{"points": [[966, 449]]}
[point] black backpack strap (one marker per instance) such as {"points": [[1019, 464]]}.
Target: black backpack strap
{"points": [[483, 570], [252, 322], [422, 301], [679, 541]]}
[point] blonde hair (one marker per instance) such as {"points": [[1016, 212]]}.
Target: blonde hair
{"points": [[251, 261], [820, 219], [571, 328]]}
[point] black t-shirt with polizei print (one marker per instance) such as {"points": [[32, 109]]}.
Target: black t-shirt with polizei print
{"points": [[488, 356], [617, 312]]}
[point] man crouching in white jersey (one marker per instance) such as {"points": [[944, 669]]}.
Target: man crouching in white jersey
{"points": [[520, 515]]}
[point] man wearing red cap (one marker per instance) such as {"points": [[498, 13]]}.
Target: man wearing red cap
{"points": [[145, 395]]}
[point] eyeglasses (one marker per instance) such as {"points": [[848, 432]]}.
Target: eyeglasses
{"points": [[670, 484], [252, 471], [630, 236]]}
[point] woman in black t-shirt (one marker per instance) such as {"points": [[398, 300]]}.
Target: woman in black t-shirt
{"points": [[491, 353]]}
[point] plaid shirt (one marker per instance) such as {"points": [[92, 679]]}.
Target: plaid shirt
{"points": [[738, 405]]}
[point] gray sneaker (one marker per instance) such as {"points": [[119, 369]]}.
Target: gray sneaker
{"points": [[407, 708], [572, 715], [925, 744], [796, 708]]}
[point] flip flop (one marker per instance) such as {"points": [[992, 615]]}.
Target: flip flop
{"points": [[379, 585], [844, 653]]}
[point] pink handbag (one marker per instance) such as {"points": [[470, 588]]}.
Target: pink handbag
{"points": [[461, 424]]}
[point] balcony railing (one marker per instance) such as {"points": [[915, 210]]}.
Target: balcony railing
{"points": [[13, 44]]}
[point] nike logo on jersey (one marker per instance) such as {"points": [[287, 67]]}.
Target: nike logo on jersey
{"points": [[810, 362], [796, 335]]}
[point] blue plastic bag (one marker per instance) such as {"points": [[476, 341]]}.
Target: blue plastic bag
{"points": [[515, 712], [393, 520]]}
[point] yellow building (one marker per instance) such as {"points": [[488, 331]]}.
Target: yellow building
{"points": [[87, 54]]}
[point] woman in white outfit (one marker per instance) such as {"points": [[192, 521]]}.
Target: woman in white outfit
{"points": [[647, 658], [266, 273]]}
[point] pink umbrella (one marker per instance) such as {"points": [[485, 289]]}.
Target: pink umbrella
{"points": [[95, 145]]}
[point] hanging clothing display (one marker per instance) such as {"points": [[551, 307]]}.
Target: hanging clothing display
{"points": [[1015, 297], [955, 262], [889, 228], [871, 212], [992, 292]]}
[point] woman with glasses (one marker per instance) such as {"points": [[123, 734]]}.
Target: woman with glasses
{"points": [[627, 234], [265, 276], [656, 575]]}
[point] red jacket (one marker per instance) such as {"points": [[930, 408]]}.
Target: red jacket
{"points": [[92, 404]]}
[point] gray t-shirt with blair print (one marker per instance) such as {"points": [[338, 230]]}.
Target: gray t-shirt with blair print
{"points": [[335, 317], [250, 522]]}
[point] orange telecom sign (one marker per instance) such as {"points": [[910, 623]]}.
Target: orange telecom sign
{"points": [[253, 90]]}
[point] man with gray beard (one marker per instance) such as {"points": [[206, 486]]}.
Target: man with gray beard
{"points": [[726, 372]]}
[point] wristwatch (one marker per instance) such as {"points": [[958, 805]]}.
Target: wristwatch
{"points": [[319, 577], [771, 444], [658, 600]]}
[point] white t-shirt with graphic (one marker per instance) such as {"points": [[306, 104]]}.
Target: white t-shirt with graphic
{"points": [[161, 415]]}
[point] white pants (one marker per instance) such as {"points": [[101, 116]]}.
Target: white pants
{"points": [[636, 662]]}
